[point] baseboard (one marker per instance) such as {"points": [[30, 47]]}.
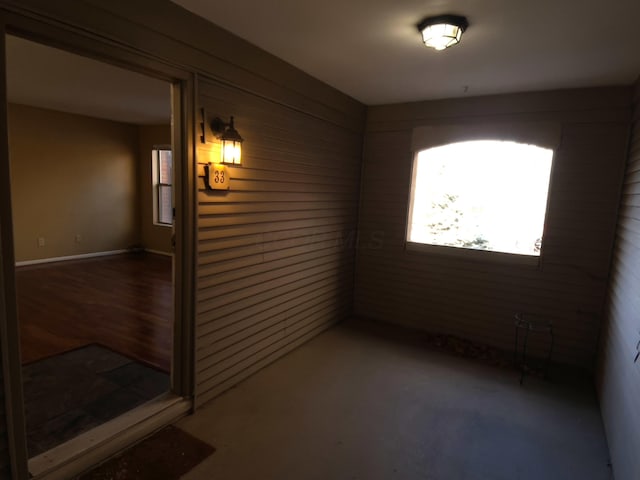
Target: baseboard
{"points": [[158, 252], [69, 257], [93, 447]]}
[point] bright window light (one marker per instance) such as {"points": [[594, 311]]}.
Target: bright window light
{"points": [[481, 195]]}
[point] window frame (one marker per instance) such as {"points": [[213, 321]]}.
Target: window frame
{"points": [[158, 185], [541, 134]]}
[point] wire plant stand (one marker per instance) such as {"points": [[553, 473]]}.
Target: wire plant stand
{"points": [[524, 328]]}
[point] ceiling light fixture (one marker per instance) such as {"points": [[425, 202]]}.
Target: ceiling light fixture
{"points": [[442, 31]]}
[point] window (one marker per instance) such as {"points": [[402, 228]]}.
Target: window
{"points": [[163, 189], [481, 195]]}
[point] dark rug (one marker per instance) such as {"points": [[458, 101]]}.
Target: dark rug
{"points": [[167, 455], [73, 392]]}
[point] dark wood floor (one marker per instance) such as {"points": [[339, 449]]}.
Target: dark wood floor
{"points": [[123, 302]]}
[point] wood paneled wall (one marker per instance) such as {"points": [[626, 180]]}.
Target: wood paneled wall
{"points": [[618, 375], [476, 299]]}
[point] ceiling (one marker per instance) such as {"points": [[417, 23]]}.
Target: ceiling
{"points": [[372, 51], [368, 49], [46, 77]]}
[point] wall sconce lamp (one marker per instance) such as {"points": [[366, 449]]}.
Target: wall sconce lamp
{"points": [[442, 31], [216, 175], [231, 141]]}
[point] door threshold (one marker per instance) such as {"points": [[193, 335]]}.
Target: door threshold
{"points": [[98, 444]]}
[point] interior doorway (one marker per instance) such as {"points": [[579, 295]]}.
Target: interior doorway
{"points": [[92, 238]]}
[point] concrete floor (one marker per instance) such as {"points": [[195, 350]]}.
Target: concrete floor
{"points": [[352, 404]]}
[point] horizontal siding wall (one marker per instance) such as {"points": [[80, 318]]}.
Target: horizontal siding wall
{"points": [[618, 375], [477, 299], [276, 253]]}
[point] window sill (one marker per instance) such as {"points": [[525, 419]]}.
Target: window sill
{"points": [[166, 225], [485, 256]]}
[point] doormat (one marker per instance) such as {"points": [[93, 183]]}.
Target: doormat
{"points": [[167, 455], [75, 391]]}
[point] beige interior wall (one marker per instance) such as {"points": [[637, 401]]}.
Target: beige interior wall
{"points": [[153, 237], [73, 183]]}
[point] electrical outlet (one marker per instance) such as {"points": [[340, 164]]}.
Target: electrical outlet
{"points": [[41, 242], [78, 238]]}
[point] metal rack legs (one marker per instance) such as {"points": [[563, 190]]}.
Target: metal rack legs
{"points": [[528, 327]]}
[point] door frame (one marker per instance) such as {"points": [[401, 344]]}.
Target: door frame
{"points": [[79, 41]]}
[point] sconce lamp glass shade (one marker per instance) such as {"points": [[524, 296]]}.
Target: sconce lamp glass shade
{"points": [[231, 145], [442, 31], [231, 151]]}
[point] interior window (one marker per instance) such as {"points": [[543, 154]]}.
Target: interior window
{"points": [[163, 180], [481, 195]]}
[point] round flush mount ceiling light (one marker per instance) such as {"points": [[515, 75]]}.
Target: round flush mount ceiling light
{"points": [[442, 31]]}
